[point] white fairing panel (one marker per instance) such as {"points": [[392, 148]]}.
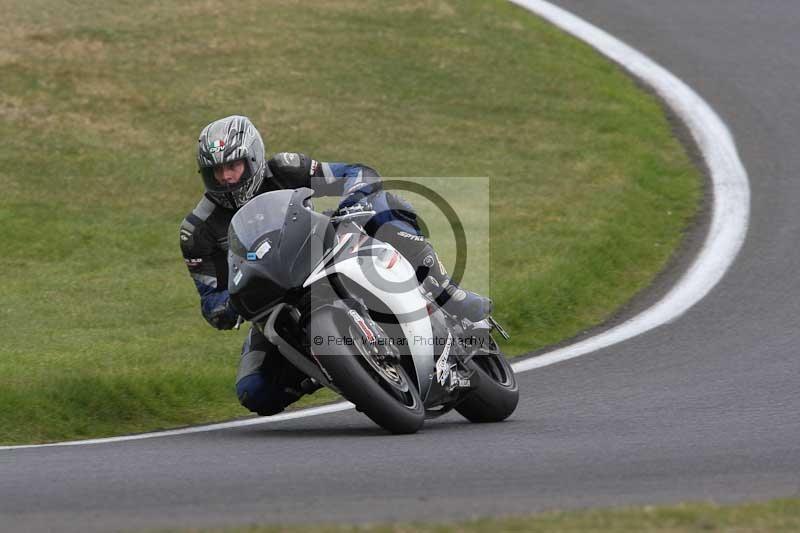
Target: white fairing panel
{"points": [[385, 273]]}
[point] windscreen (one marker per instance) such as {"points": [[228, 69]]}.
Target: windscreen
{"points": [[263, 214]]}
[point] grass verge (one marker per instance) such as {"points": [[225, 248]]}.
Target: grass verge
{"points": [[99, 106], [774, 516]]}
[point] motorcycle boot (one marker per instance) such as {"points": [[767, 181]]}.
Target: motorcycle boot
{"points": [[397, 224], [444, 291]]}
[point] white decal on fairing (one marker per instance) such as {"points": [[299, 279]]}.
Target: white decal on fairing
{"points": [[443, 364], [263, 249]]}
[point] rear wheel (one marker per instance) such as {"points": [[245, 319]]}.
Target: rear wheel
{"points": [[366, 375], [497, 394]]}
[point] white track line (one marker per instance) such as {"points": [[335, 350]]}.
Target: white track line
{"points": [[255, 421], [731, 208], [731, 189]]}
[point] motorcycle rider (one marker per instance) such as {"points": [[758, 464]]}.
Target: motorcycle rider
{"points": [[232, 162]]}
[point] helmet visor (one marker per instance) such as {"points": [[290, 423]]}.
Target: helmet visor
{"points": [[218, 185]]}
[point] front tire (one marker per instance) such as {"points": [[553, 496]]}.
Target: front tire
{"points": [[497, 394], [382, 392]]}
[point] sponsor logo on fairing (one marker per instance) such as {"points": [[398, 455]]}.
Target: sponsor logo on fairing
{"points": [[262, 250], [193, 263], [362, 325], [314, 166]]}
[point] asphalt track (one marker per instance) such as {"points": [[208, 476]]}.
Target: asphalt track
{"points": [[703, 408]]}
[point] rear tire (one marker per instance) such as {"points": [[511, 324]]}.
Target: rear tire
{"points": [[374, 394], [497, 394]]}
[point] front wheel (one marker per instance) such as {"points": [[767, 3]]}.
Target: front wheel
{"points": [[497, 394], [378, 386]]}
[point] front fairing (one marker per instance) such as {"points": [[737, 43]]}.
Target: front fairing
{"points": [[276, 240], [378, 275]]}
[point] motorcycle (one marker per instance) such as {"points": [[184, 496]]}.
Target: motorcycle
{"points": [[347, 310]]}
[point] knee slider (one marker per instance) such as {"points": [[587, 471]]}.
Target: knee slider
{"points": [[261, 397]]}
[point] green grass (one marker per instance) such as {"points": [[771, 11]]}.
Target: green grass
{"points": [[774, 516], [100, 103]]}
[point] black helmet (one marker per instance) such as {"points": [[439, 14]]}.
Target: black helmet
{"points": [[224, 141]]}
